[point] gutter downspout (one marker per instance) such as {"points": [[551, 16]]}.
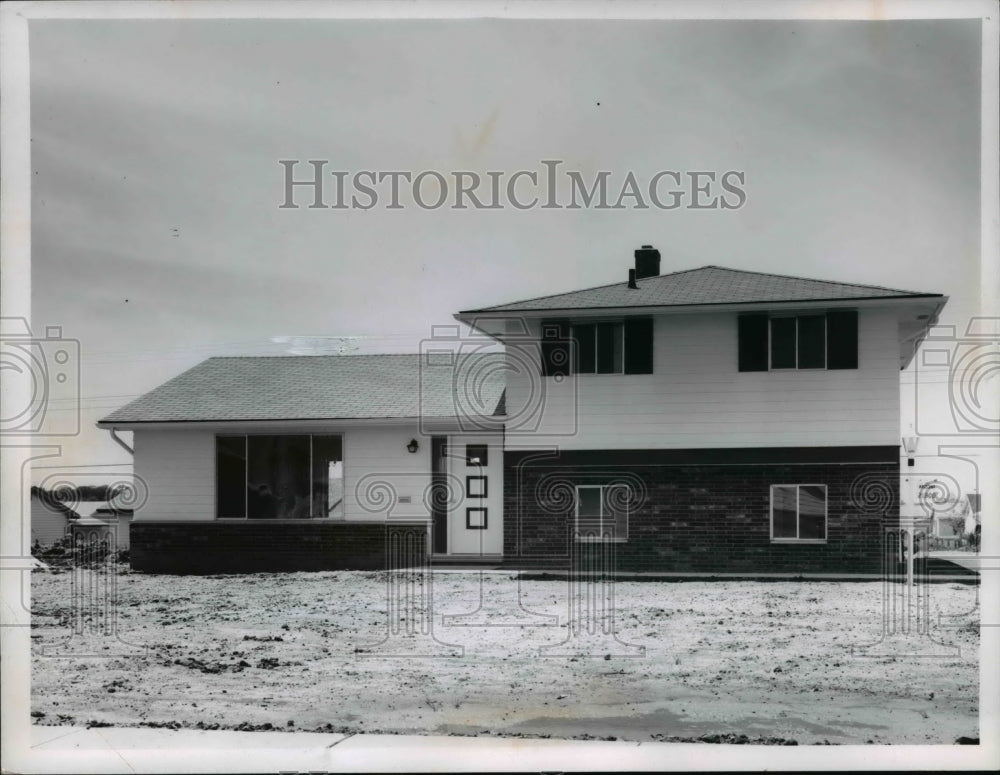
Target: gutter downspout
{"points": [[118, 440]]}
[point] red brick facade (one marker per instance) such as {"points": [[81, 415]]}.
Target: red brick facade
{"points": [[248, 546], [705, 511]]}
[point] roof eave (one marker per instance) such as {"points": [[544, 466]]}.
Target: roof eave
{"points": [[469, 316], [288, 422]]}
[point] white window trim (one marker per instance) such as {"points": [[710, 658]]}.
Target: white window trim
{"points": [[576, 517], [826, 514]]}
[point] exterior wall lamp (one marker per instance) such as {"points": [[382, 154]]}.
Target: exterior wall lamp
{"points": [[413, 446], [910, 445]]}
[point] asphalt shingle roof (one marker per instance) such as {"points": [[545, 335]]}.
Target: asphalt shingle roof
{"points": [[319, 387], [705, 285]]}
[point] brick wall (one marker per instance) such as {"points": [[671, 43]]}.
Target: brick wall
{"points": [[706, 510], [268, 545]]}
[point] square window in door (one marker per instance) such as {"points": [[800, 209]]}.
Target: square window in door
{"points": [[475, 486], [475, 519], [476, 454]]}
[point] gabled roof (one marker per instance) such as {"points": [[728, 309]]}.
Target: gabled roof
{"points": [[707, 285], [315, 387]]}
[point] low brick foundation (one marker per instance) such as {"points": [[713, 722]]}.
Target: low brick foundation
{"points": [[272, 545], [705, 511]]}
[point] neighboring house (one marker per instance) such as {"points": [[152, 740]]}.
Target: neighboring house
{"points": [[50, 518], [119, 521], [712, 420]]}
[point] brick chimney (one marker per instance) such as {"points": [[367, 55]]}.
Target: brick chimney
{"points": [[647, 262]]}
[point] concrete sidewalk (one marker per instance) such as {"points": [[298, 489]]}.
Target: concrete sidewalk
{"points": [[129, 750]]}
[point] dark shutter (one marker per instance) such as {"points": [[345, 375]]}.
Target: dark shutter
{"points": [[555, 349], [753, 342], [638, 345], [586, 349], [842, 339]]}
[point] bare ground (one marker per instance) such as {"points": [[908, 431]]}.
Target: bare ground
{"points": [[721, 661]]}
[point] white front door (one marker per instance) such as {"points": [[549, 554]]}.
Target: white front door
{"points": [[475, 523]]}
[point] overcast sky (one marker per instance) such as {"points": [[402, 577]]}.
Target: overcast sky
{"points": [[157, 239]]}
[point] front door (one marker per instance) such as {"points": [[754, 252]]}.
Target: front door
{"points": [[475, 521]]}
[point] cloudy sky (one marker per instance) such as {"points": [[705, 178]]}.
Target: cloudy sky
{"points": [[157, 237]]}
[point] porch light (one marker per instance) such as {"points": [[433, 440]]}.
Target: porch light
{"points": [[910, 445], [413, 446]]}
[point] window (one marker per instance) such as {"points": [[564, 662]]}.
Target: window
{"points": [[596, 519], [600, 348], [825, 341], [605, 347], [279, 476], [476, 454], [798, 512], [476, 487], [476, 518], [798, 342]]}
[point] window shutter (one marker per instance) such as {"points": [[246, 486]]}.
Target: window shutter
{"points": [[555, 349], [586, 349], [753, 342], [842, 339], [638, 345]]}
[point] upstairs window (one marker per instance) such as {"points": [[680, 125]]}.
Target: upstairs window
{"points": [[799, 342], [827, 341], [606, 347]]}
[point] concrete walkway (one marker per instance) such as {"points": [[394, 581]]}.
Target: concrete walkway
{"points": [[130, 750]]}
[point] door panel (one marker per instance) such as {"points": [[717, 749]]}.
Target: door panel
{"points": [[475, 524]]}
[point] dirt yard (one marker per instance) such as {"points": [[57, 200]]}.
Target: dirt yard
{"points": [[711, 661]]}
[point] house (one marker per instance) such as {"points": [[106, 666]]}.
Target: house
{"points": [[50, 518], [306, 462], [712, 420]]}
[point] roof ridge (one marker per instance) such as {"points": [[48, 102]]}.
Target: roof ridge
{"points": [[581, 290]]}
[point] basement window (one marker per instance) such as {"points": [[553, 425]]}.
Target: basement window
{"points": [[285, 476], [596, 518], [798, 513]]}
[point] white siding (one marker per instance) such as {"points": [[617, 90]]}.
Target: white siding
{"points": [[376, 463], [177, 468], [697, 398]]}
